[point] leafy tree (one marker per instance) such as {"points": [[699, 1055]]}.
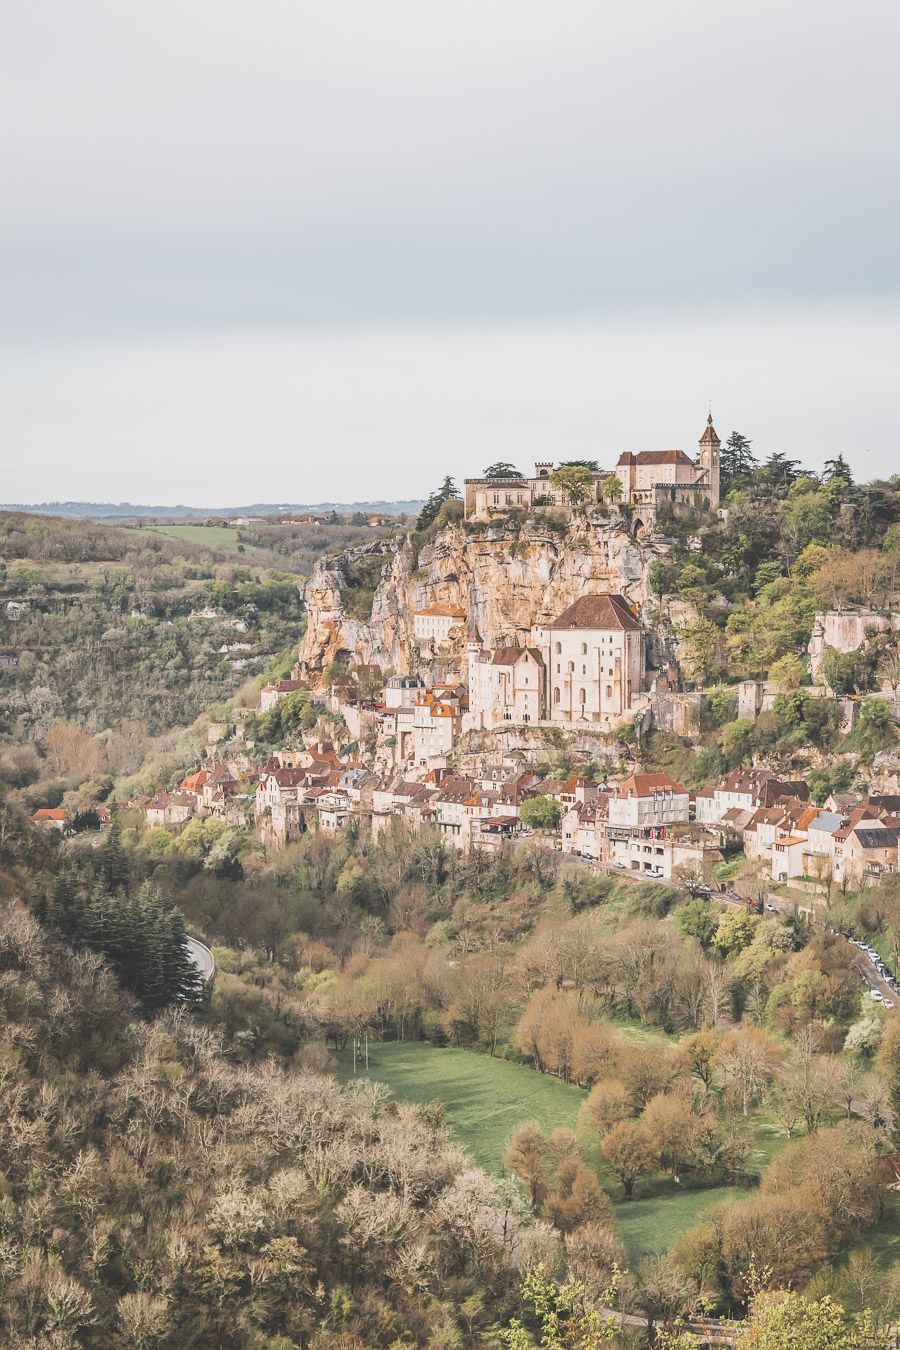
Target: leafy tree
{"points": [[784, 1318], [589, 464], [698, 919], [501, 470], [564, 1317], [574, 481], [735, 931], [788, 671], [629, 1151], [703, 650], [611, 489], [540, 813]]}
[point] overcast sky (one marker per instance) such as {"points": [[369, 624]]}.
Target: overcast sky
{"points": [[304, 251]]}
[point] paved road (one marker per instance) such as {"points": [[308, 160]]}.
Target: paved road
{"points": [[202, 958]]}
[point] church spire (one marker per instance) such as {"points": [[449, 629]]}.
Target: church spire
{"points": [[709, 436]]}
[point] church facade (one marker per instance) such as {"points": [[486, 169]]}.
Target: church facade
{"points": [[585, 668]]}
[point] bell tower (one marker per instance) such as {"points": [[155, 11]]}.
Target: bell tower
{"points": [[709, 460]]}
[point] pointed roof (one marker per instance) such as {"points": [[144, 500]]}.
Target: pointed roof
{"points": [[472, 633], [597, 611], [709, 436]]}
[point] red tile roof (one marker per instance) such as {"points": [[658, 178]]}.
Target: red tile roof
{"points": [[644, 784], [598, 611]]}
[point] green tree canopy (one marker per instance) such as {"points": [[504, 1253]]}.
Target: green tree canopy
{"points": [[540, 813], [500, 470], [574, 481]]}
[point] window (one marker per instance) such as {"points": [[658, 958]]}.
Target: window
{"points": [[581, 697], [571, 667], [584, 649], [558, 648], [556, 695], [609, 691], [584, 670]]}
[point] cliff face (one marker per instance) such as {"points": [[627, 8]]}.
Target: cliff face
{"points": [[507, 579]]}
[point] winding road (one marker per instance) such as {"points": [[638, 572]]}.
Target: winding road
{"points": [[202, 958]]}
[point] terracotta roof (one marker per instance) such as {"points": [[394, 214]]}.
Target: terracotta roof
{"points": [[443, 611], [657, 457], [643, 784], [508, 656], [49, 813], [598, 611]]}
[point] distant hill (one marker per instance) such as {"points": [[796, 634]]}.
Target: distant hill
{"points": [[130, 511]]}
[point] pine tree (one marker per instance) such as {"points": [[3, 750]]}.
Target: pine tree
{"points": [[430, 511], [113, 862], [736, 462]]}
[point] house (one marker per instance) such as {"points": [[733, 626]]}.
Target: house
{"points": [[594, 660], [437, 625], [437, 723], [749, 789], [864, 852], [648, 799], [661, 850], [155, 810], [50, 818], [169, 808], [401, 691], [278, 690], [788, 853]]}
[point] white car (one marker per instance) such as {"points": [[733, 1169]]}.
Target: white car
{"points": [[873, 993]]}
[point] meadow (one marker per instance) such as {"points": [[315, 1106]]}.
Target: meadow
{"points": [[485, 1099], [213, 536]]}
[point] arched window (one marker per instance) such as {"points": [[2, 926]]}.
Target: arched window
{"points": [[609, 691], [581, 697], [556, 695], [584, 649], [558, 648], [571, 667]]}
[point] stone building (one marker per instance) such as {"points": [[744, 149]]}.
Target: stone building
{"points": [[594, 660], [649, 480], [655, 478], [505, 685], [437, 624], [587, 666]]}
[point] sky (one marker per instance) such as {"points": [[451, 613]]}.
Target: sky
{"points": [[298, 251]]}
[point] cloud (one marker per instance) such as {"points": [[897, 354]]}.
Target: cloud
{"points": [[386, 411]]}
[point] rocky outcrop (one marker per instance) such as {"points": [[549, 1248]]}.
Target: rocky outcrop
{"points": [[506, 578]]}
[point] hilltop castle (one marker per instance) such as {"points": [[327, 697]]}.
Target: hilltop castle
{"points": [[648, 480]]}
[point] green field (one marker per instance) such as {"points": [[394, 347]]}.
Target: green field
{"points": [[485, 1099], [213, 536]]}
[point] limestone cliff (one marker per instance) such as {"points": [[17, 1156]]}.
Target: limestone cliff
{"points": [[506, 578]]}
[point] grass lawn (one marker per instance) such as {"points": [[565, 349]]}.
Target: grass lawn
{"points": [[651, 1222], [485, 1099], [213, 536], [884, 1239]]}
